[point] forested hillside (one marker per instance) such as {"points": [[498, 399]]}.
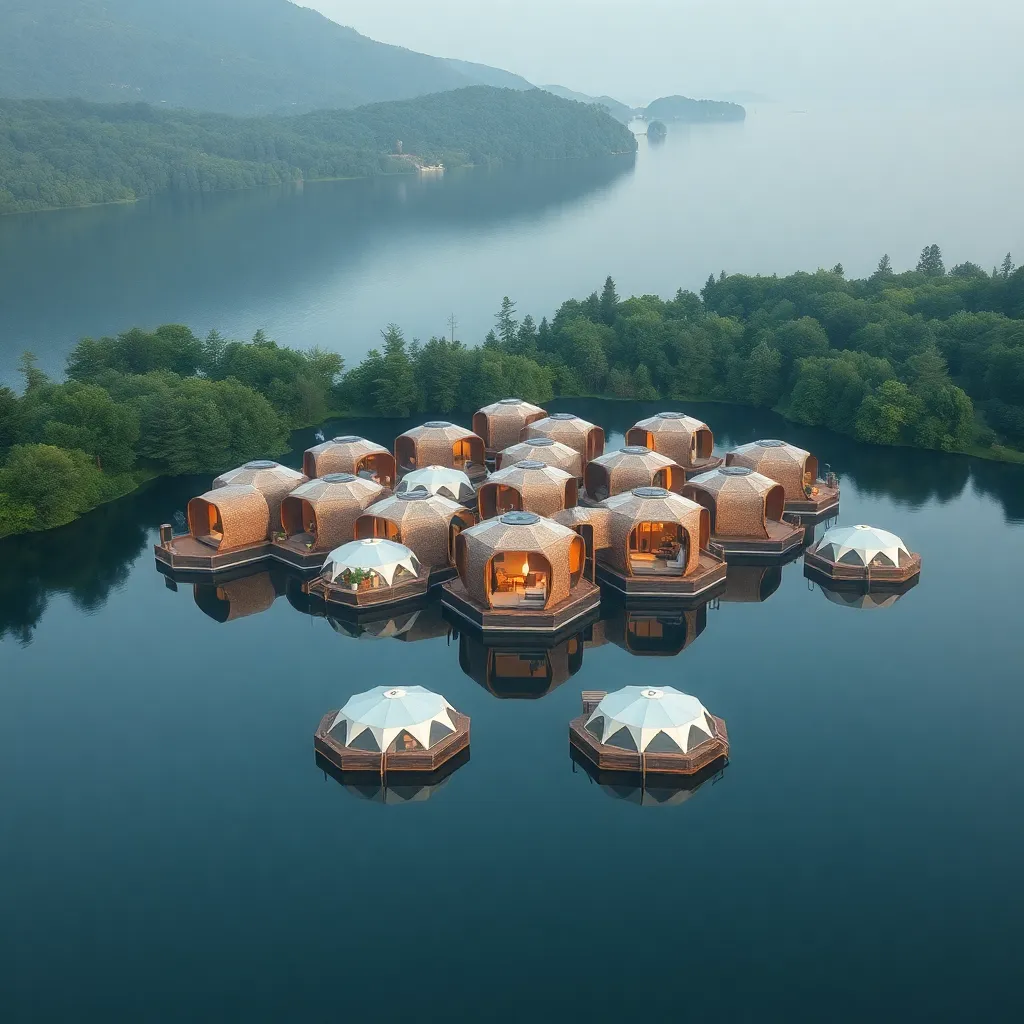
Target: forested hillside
{"points": [[72, 153], [682, 108], [620, 111], [230, 56]]}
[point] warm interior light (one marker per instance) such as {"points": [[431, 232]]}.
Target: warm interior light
{"points": [[526, 568]]}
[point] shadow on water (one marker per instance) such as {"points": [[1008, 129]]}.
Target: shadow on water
{"points": [[89, 558]]}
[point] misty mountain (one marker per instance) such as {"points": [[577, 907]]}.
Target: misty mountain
{"points": [[229, 56], [682, 108], [484, 75], [620, 111]]}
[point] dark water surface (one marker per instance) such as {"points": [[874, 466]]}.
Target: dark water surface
{"points": [[332, 263], [169, 850]]}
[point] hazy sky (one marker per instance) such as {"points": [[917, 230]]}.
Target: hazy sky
{"points": [[810, 52]]}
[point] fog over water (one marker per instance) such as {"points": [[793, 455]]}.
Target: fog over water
{"points": [[818, 53]]}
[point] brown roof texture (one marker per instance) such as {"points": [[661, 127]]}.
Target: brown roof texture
{"points": [[546, 450], [501, 424], [739, 500], [781, 462], [335, 502], [631, 467], [243, 511], [518, 531], [598, 519], [570, 430], [542, 489], [432, 444], [675, 435], [655, 505], [274, 481], [346, 454], [423, 522]]}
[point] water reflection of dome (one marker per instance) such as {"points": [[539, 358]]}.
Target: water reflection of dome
{"points": [[864, 554], [406, 788], [519, 672], [238, 598], [645, 631], [652, 789], [380, 626], [747, 584], [854, 596]]}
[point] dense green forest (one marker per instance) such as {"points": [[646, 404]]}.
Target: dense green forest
{"points": [[229, 56], [682, 108], [928, 358], [70, 153]]}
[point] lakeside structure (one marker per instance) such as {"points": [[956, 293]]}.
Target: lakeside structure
{"points": [[746, 513], [527, 486], [627, 468], [542, 449], [687, 441], [796, 470], [440, 443], [368, 572], [862, 556], [351, 454], [502, 423], [572, 431], [440, 480]]}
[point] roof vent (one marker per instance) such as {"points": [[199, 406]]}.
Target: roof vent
{"points": [[520, 519]]}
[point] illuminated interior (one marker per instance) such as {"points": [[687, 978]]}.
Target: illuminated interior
{"points": [[517, 579], [658, 549]]}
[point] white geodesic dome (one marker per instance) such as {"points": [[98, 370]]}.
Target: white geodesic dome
{"points": [[651, 719], [388, 559], [374, 720], [449, 483], [862, 545]]}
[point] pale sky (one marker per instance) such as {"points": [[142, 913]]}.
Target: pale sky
{"points": [[804, 52]]}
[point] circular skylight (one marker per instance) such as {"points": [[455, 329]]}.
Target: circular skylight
{"points": [[418, 493], [562, 416], [540, 442], [650, 492], [636, 449], [437, 424], [772, 443], [510, 401], [520, 518], [261, 464], [531, 464], [338, 478], [735, 471], [346, 439], [670, 415]]}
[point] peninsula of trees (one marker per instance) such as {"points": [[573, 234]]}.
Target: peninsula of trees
{"points": [[57, 153], [682, 108], [927, 358]]}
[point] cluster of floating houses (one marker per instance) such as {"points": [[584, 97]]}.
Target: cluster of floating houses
{"points": [[522, 523]]}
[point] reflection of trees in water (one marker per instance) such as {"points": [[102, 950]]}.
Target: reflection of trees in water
{"points": [[84, 560]]}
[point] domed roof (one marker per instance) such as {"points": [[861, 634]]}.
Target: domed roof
{"points": [[784, 463], [735, 479], [440, 480], [265, 475], [339, 487], [659, 719], [862, 545], [543, 449], [438, 428], [387, 711], [568, 428], [384, 557]]}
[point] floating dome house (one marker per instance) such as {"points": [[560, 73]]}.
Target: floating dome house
{"points": [[795, 469], [370, 572], [862, 554], [518, 572], [231, 520], [593, 524], [527, 486], [542, 449], [501, 424], [570, 430], [321, 514], [426, 523], [392, 729], [452, 484], [645, 728], [746, 512], [238, 598], [274, 481], [351, 454], [628, 468], [519, 671], [658, 546], [440, 443], [688, 442]]}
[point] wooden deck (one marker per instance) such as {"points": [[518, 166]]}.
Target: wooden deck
{"points": [[873, 575], [369, 597], [187, 553], [711, 572], [784, 540], [824, 505], [346, 759], [583, 600], [616, 759]]}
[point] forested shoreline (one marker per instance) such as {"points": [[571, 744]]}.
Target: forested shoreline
{"points": [[66, 153], [927, 358]]}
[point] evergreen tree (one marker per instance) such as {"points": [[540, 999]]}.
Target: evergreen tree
{"points": [[1007, 268], [884, 268], [930, 262], [838, 270], [609, 302], [506, 323]]}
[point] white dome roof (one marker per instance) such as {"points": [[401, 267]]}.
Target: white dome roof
{"points": [[662, 719], [449, 483], [383, 557], [860, 545], [386, 711]]}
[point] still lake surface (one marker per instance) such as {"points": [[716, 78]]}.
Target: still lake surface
{"points": [[332, 263], [169, 849]]}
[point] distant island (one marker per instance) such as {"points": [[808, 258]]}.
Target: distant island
{"points": [[682, 108], [656, 130], [60, 153]]}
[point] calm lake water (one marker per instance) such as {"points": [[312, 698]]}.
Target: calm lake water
{"points": [[169, 849], [332, 263]]}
